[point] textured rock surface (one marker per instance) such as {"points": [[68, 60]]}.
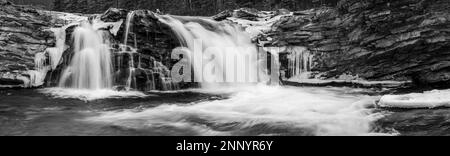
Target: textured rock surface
{"points": [[373, 39], [41, 4], [154, 42], [186, 7], [23, 33]]}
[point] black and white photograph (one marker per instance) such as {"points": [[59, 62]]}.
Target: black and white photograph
{"points": [[225, 68]]}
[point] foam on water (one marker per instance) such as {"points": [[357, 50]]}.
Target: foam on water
{"points": [[90, 95], [318, 111]]}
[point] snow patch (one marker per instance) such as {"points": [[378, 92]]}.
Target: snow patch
{"points": [[112, 26], [255, 28], [431, 99]]}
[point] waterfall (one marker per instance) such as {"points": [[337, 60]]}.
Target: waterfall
{"points": [[55, 53], [91, 65], [130, 51], [212, 45], [300, 62], [129, 19]]}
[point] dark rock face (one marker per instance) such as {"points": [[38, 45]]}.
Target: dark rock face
{"points": [[374, 39], [41, 4], [154, 42], [23, 33], [186, 7]]}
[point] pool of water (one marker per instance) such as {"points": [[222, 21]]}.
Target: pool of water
{"points": [[237, 111]]}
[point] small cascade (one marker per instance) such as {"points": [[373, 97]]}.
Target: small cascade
{"points": [[91, 64], [130, 52], [124, 49], [48, 60], [300, 62], [131, 81], [165, 81], [128, 23], [129, 64], [55, 53]]}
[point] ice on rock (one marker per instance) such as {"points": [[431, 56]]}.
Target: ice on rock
{"points": [[36, 77], [431, 99], [113, 26], [255, 28]]}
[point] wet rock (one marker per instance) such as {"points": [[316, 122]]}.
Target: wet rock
{"points": [[223, 15], [282, 12], [23, 33], [113, 15], [375, 39], [247, 13], [154, 43]]}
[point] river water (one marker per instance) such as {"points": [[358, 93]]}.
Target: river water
{"points": [[236, 111]]}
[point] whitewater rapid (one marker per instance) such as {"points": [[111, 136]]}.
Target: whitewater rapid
{"points": [[272, 110]]}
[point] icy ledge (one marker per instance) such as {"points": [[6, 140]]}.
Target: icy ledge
{"points": [[340, 82], [431, 99]]}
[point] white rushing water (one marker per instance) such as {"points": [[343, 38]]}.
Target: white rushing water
{"points": [[129, 19], [91, 64], [310, 110], [213, 46]]}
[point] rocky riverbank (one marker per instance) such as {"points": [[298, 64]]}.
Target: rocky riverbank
{"points": [[402, 40], [23, 33]]}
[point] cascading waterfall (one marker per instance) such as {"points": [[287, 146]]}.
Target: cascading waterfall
{"points": [[130, 51], [91, 65], [129, 19], [217, 43], [55, 53], [158, 74]]}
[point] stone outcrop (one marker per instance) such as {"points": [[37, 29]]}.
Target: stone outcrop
{"points": [[40, 4], [154, 43], [23, 33], [372, 39], [186, 7]]}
